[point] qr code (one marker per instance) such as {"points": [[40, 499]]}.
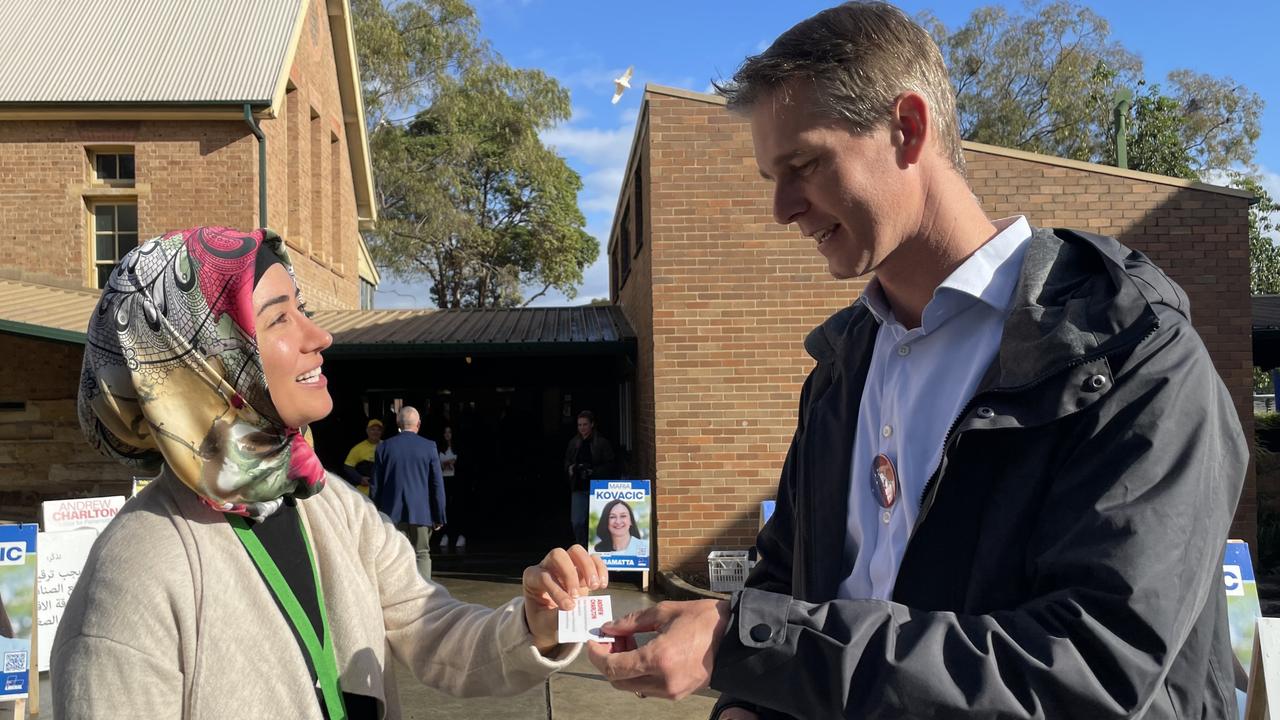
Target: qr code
{"points": [[15, 662]]}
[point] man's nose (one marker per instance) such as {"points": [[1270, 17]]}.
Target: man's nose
{"points": [[788, 203]]}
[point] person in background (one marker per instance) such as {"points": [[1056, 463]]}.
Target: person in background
{"points": [[245, 581], [358, 467], [588, 456], [408, 485], [455, 491]]}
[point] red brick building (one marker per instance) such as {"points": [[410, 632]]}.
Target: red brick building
{"points": [[721, 299], [120, 121]]}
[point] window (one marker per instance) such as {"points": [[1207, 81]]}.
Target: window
{"points": [[115, 232], [112, 168], [638, 200], [293, 178], [335, 205], [366, 294], [624, 247], [316, 243]]}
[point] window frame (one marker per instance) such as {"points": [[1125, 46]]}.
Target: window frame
{"points": [[94, 152], [96, 280]]}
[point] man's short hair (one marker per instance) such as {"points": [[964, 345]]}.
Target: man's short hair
{"points": [[408, 417], [858, 57], [588, 415]]}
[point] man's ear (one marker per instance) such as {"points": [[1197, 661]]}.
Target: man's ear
{"points": [[910, 125]]}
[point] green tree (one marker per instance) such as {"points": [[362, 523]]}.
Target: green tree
{"points": [[405, 51], [1046, 80], [1039, 81], [1264, 276], [1154, 137], [469, 198]]}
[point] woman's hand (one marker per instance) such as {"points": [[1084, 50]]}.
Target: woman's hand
{"points": [[554, 584]]}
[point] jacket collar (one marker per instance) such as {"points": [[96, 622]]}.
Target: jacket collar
{"points": [[1079, 295]]}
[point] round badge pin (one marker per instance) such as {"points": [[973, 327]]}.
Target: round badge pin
{"points": [[884, 481]]}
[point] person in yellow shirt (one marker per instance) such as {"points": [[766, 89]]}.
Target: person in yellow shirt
{"points": [[358, 467]]}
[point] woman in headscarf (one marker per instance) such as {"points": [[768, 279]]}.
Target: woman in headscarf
{"points": [[240, 583]]}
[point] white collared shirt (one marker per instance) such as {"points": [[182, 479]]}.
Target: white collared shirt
{"points": [[918, 382]]}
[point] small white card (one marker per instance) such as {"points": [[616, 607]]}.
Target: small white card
{"points": [[583, 622]]}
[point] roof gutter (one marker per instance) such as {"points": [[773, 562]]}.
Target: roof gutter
{"points": [[262, 164], [44, 332]]}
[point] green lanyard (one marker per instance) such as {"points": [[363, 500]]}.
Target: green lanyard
{"points": [[322, 657]]}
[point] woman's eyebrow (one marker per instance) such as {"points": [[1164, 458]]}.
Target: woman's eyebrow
{"points": [[273, 301]]}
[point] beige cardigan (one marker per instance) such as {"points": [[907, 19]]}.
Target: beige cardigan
{"points": [[171, 619]]}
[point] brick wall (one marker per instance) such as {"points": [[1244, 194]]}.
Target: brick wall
{"points": [[188, 173], [312, 202], [636, 300], [43, 455], [733, 296]]}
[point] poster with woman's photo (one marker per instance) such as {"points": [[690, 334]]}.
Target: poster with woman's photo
{"points": [[621, 523], [17, 607]]}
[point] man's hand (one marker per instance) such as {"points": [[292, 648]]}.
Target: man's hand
{"points": [[675, 664], [554, 584]]}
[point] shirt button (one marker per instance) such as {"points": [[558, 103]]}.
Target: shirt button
{"points": [[886, 431], [904, 350], [761, 633], [885, 515]]}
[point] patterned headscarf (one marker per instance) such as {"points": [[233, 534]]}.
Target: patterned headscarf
{"points": [[172, 373]]}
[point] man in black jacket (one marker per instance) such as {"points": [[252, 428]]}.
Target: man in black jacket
{"points": [[588, 456], [1014, 466]]}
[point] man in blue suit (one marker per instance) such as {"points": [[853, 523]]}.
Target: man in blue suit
{"points": [[409, 487]]}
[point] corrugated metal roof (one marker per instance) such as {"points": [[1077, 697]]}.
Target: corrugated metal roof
{"points": [[44, 311], [517, 329], [1266, 312], [58, 314], [145, 51]]}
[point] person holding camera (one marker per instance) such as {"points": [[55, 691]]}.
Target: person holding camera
{"points": [[588, 456]]}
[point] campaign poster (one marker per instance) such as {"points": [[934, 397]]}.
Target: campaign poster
{"points": [[620, 522], [63, 555], [1243, 610], [17, 607], [96, 512]]}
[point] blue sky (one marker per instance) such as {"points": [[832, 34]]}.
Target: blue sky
{"points": [[686, 44]]}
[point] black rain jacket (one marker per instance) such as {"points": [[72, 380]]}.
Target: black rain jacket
{"points": [[1066, 562]]}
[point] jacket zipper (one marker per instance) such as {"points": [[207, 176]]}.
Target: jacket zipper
{"points": [[930, 488]]}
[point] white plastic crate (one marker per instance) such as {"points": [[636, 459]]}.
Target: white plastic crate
{"points": [[728, 569]]}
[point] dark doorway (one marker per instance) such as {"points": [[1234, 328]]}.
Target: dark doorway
{"points": [[512, 416]]}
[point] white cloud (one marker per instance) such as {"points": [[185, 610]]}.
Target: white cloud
{"points": [[600, 189], [595, 146]]}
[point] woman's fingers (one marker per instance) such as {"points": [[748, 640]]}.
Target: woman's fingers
{"points": [[564, 575]]}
